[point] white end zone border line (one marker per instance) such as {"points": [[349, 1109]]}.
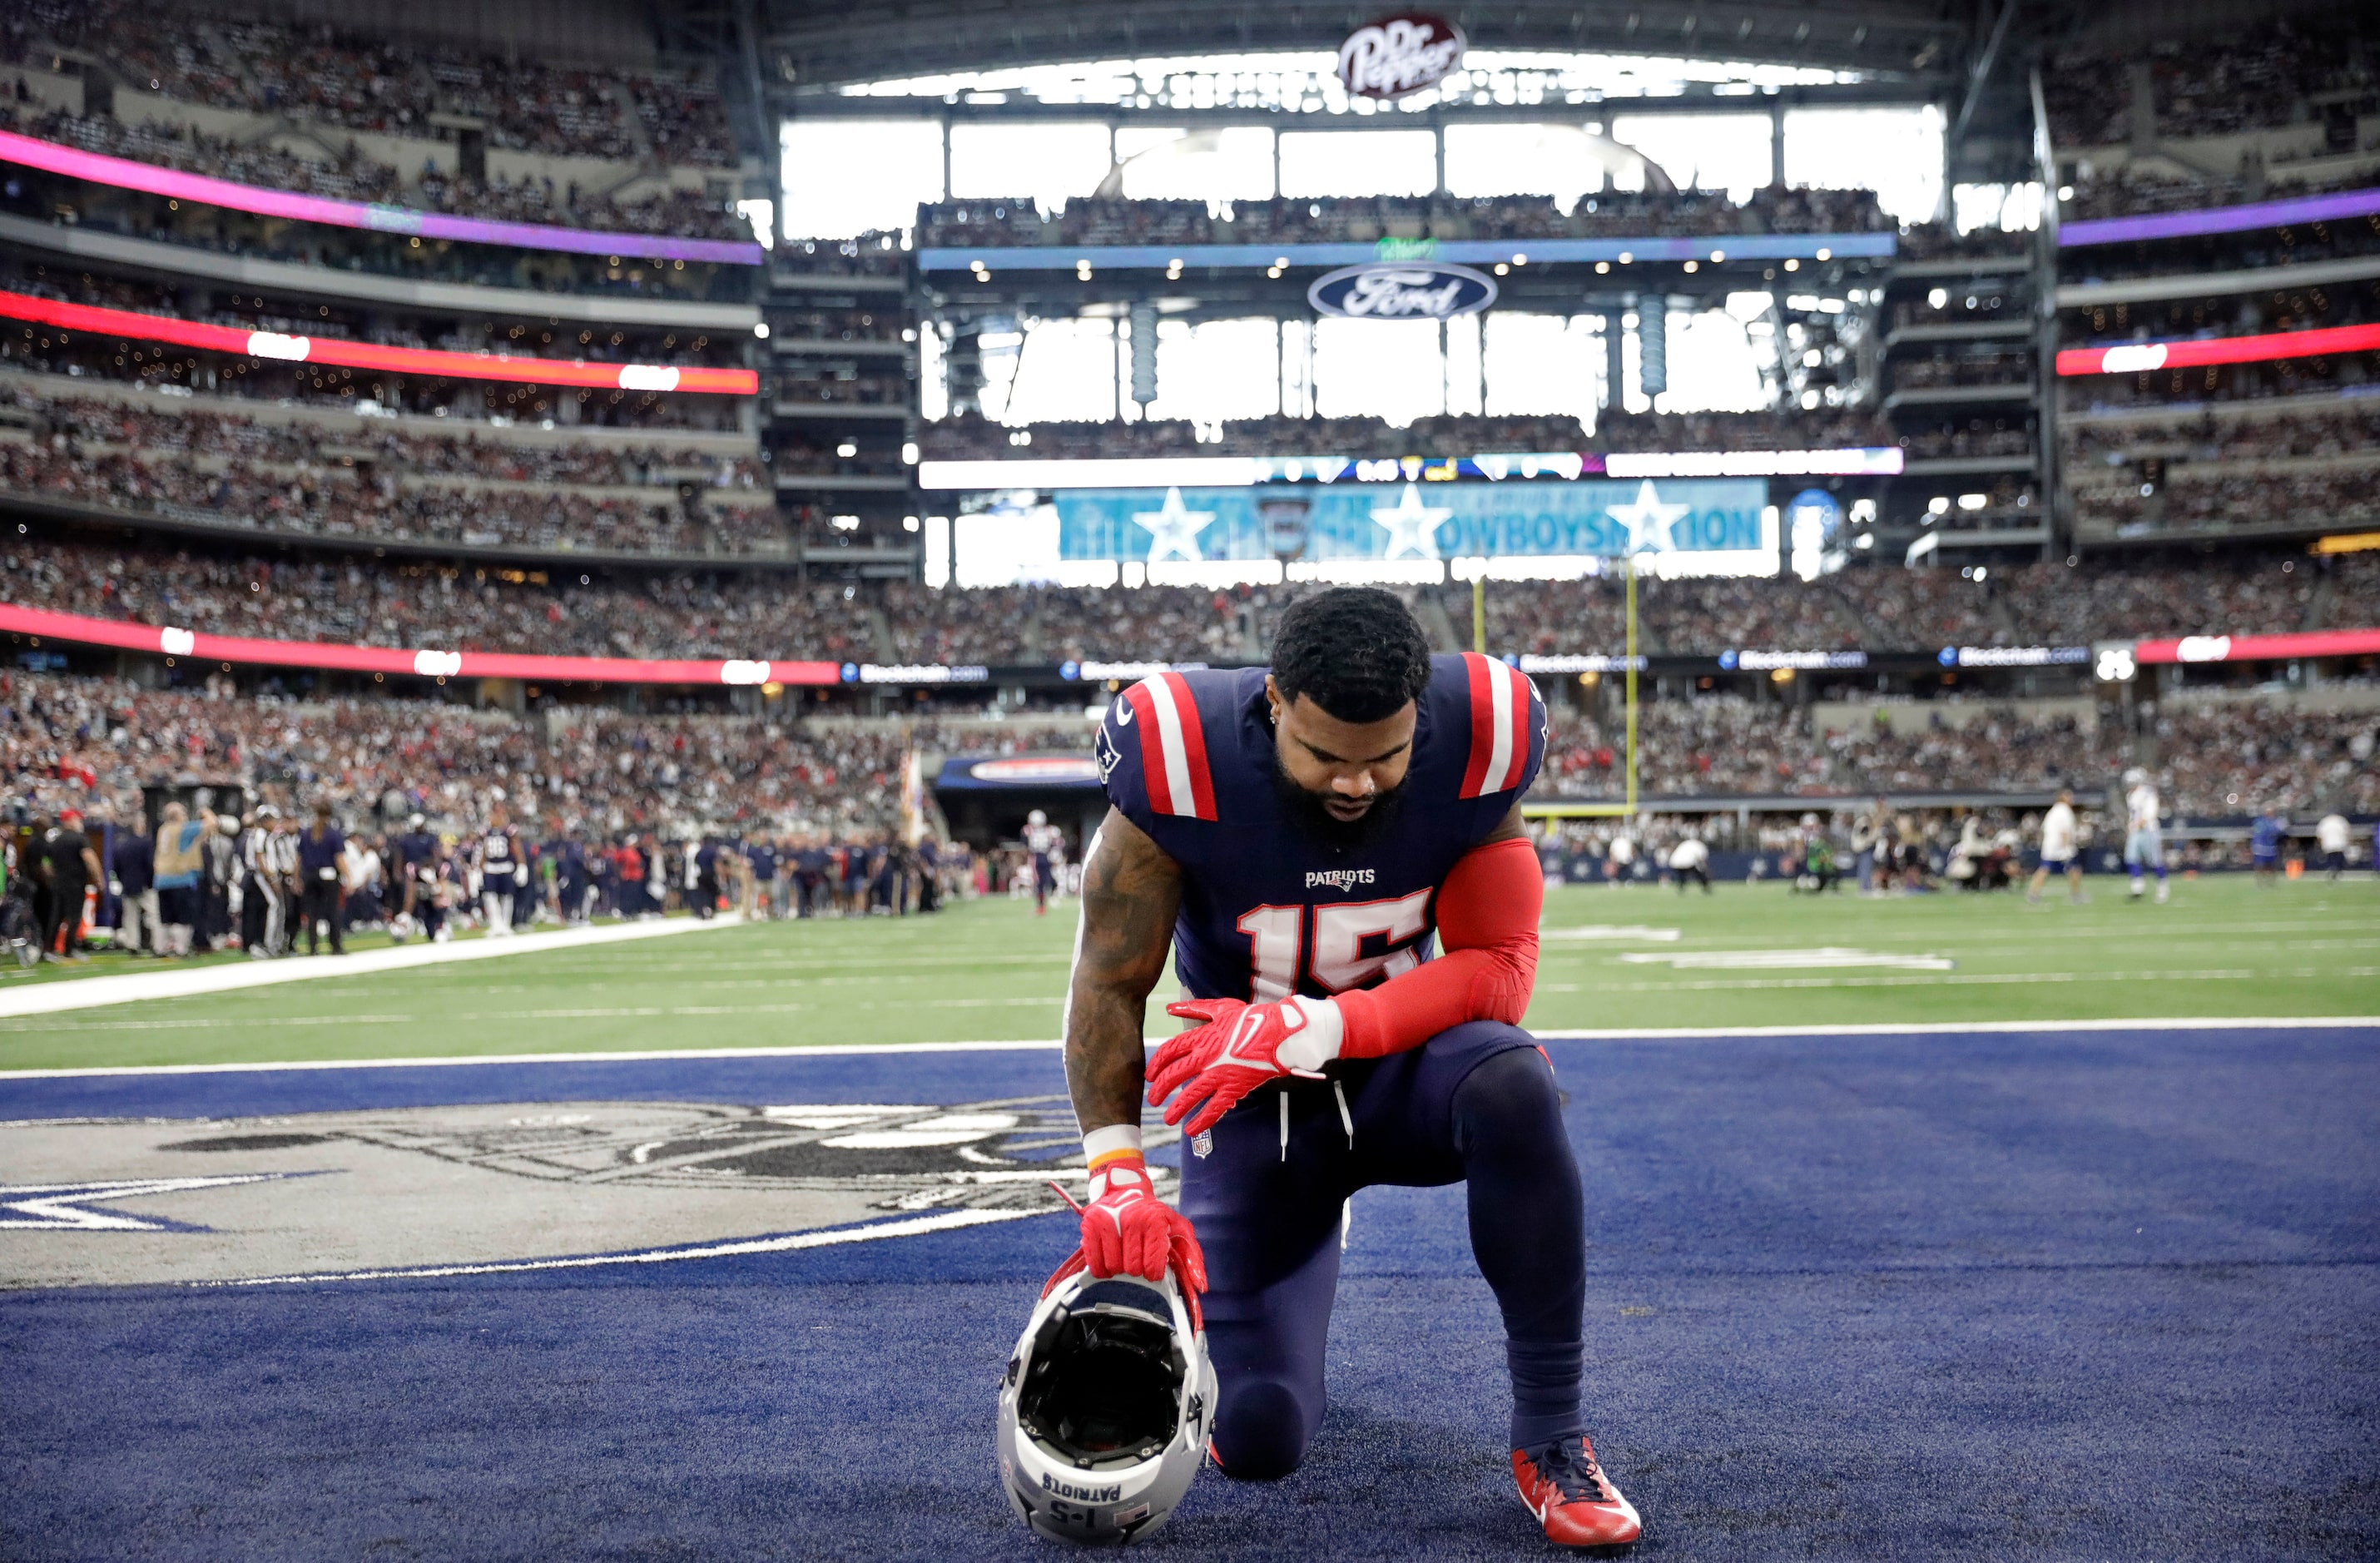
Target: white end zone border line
{"points": [[847, 1049], [915, 1226], [126, 987]]}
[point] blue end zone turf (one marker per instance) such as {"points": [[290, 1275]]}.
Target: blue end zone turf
{"points": [[2099, 1295]]}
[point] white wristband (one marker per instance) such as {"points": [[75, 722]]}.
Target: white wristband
{"points": [[1108, 1142], [1316, 1042], [1114, 1137]]}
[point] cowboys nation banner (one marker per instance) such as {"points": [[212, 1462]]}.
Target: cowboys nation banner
{"points": [[1420, 521]]}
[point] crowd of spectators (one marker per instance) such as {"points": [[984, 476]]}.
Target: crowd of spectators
{"points": [[1989, 366], [1014, 221], [1977, 436], [2227, 500], [88, 424], [2347, 426], [354, 175], [969, 436], [335, 501], [872, 254], [1943, 241], [772, 615], [2220, 759], [2259, 76], [884, 323], [828, 388], [358, 601], [585, 769], [326, 76]]}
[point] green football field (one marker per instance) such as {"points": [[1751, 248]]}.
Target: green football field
{"points": [[990, 970]]}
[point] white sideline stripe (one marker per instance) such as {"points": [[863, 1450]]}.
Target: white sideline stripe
{"points": [[126, 987], [836, 1050], [1783, 960], [1170, 745], [914, 1227]]}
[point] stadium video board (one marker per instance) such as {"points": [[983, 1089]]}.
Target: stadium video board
{"points": [[1402, 531]]}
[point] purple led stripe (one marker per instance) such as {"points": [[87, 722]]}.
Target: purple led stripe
{"points": [[125, 174], [2220, 219]]}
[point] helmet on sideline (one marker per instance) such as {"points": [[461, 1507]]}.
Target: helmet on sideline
{"points": [[1036, 817], [2136, 776], [1104, 1409]]}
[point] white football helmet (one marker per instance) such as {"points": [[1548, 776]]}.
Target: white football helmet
{"points": [[1104, 1409], [1036, 817]]}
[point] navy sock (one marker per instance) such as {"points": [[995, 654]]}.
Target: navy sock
{"points": [[1528, 1233]]}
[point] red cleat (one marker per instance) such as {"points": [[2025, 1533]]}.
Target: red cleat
{"points": [[1566, 1489]]}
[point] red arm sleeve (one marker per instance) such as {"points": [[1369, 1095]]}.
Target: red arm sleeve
{"points": [[1487, 914]]}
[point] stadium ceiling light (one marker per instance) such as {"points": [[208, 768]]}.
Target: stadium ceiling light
{"points": [[345, 354], [124, 173], [1793, 265], [2139, 356]]}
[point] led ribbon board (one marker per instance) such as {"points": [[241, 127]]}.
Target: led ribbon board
{"points": [[2134, 357], [1162, 472], [341, 352], [148, 177], [394, 660], [1468, 252], [2257, 648], [2220, 219]]}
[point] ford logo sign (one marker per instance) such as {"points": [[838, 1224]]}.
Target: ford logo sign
{"points": [[1407, 290], [1399, 54]]}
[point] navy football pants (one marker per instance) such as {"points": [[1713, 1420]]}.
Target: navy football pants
{"points": [[1475, 1103]]}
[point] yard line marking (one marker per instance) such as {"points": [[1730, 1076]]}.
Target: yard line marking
{"points": [[1749, 959], [915, 1225], [126, 987], [1051, 1044], [1612, 933]]}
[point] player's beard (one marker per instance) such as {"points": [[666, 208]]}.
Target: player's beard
{"points": [[1306, 811]]}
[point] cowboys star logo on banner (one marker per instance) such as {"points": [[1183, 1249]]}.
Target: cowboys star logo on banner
{"points": [[1174, 529], [1412, 525], [1651, 525]]}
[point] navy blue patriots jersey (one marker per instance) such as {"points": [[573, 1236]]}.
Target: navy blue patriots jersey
{"points": [[1268, 910]]}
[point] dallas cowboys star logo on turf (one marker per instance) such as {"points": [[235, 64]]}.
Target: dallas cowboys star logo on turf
{"points": [[1174, 529], [1649, 522], [1412, 525], [74, 1207]]}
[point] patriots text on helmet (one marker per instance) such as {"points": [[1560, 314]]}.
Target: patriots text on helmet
{"points": [[1056, 1488]]}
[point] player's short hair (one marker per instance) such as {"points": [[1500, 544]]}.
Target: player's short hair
{"points": [[1352, 651]]}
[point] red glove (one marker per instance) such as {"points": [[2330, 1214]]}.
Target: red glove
{"points": [[1239, 1048], [1128, 1230]]}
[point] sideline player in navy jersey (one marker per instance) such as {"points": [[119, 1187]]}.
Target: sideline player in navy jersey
{"points": [[1300, 839]]}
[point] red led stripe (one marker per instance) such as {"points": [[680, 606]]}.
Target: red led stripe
{"points": [[2254, 647], [341, 352], [203, 647], [2137, 356]]}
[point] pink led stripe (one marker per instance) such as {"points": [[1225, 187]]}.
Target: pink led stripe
{"points": [[2254, 647], [371, 356], [149, 177], [394, 660], [2133, 357]]}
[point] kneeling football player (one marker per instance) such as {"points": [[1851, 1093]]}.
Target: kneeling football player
{"points": [[1300, 838]]}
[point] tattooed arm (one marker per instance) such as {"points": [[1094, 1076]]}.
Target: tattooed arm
{"points": [[1131, 895]]}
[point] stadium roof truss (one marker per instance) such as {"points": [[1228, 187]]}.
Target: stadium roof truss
{"points": [[809, 44]]}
